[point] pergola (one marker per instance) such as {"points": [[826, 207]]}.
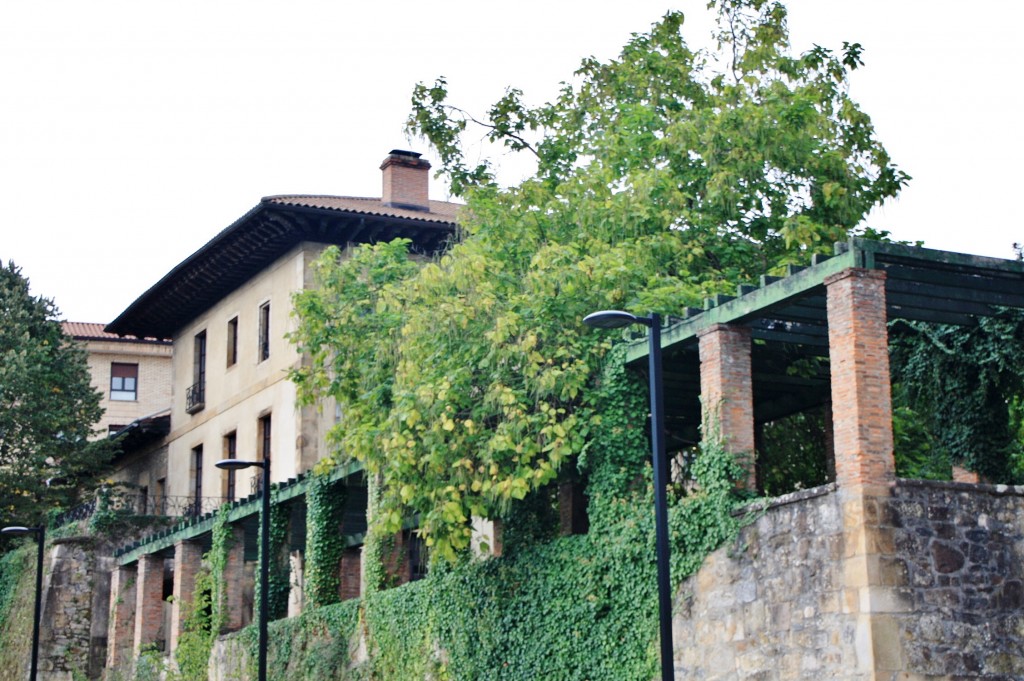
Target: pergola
{"points": [[787, 319]]}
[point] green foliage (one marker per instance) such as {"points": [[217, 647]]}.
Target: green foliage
{"points": [[662, 177], [325, 505], [318, 644], [47, 407], [17, 589], [959, 384], [206, 612], [280, 570], [792, 454], [580, 607]]}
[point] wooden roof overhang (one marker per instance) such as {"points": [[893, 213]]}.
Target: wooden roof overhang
{"points": [[787, 316], [252, 243]]}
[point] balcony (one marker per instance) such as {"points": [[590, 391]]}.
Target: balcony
{"points": [[195, 397]]}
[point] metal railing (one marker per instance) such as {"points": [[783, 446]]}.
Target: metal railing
{"points": [[195, 397], [131, 503]]}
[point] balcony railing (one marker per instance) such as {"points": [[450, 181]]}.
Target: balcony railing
{"points": [[131, 503], [195, 397]]}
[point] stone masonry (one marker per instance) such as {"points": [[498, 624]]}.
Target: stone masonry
{"points": [[946, 604]]}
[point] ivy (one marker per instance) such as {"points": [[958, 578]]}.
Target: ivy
{"points": [[279, 577], [325, 505], [17, 589], [954, 391], [206, 612], [578, 607]]}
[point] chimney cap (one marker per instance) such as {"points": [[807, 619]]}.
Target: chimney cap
{"points": [[403, 152]]}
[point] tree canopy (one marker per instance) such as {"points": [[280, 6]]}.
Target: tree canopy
{"points": [[47, 407], [663, 176]]}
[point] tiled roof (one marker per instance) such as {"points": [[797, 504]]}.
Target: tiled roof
{"points": [[87, 330], [94, 331], [265, 233], [440, 211]]}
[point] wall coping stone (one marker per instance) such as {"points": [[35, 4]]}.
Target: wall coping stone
{"points": [[978, 487], [760, 505]]}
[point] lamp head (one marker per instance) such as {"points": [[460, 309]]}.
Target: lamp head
{"points": [[18, 530], [612, 319], [237, 464]]}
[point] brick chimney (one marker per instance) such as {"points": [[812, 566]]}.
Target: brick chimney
{"points": [[405, 180]]}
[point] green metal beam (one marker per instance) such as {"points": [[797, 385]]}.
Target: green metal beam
{"points": [[774, 295], [238, 512]]}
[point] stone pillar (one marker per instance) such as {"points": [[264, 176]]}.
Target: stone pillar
{"points": [[149, 602], [858, 341], [486, 539], [188, 560], [123, 599], [727, 392], [296, 594], [234, 580]]}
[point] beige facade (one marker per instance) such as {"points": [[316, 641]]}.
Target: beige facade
{"points": [[244, 386], [125, 401]]}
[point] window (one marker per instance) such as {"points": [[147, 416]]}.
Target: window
{"points": [[264, 349], [197, 480], [124, 380], [195, 396], [232, 341], [114, 429], [263, 449], [230, 452]]}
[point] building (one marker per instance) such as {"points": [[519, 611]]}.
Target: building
{"points": [[133, 374], [227, 310]]}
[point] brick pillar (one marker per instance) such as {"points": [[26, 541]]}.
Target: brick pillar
{"points": [[121, 632], [727, 392], [858, 341], [188, 560], [234, 580], [149, 602], [396, 561], [572, 509], [349, 573]]}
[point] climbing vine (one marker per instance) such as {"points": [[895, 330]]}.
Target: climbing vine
{"points": [[206, 613], [954, 392], [280, 574], [577, 607], [325, 505]]}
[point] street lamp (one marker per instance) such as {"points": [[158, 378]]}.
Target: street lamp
{"points": [[239, 464], [40, 532], [614, 319]]}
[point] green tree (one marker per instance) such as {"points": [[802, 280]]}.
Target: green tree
{"points": [[47, 407], [663, 176]]}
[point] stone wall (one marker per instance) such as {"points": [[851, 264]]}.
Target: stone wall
{"points": [[76, 594], [770, 605], [942, 596], [959, 551]]}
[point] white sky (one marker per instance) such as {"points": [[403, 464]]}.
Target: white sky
{"points": [[133, 131]]}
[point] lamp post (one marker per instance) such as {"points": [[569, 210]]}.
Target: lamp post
{"points": [[40, 532], [238, 464], [613, 319]]}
